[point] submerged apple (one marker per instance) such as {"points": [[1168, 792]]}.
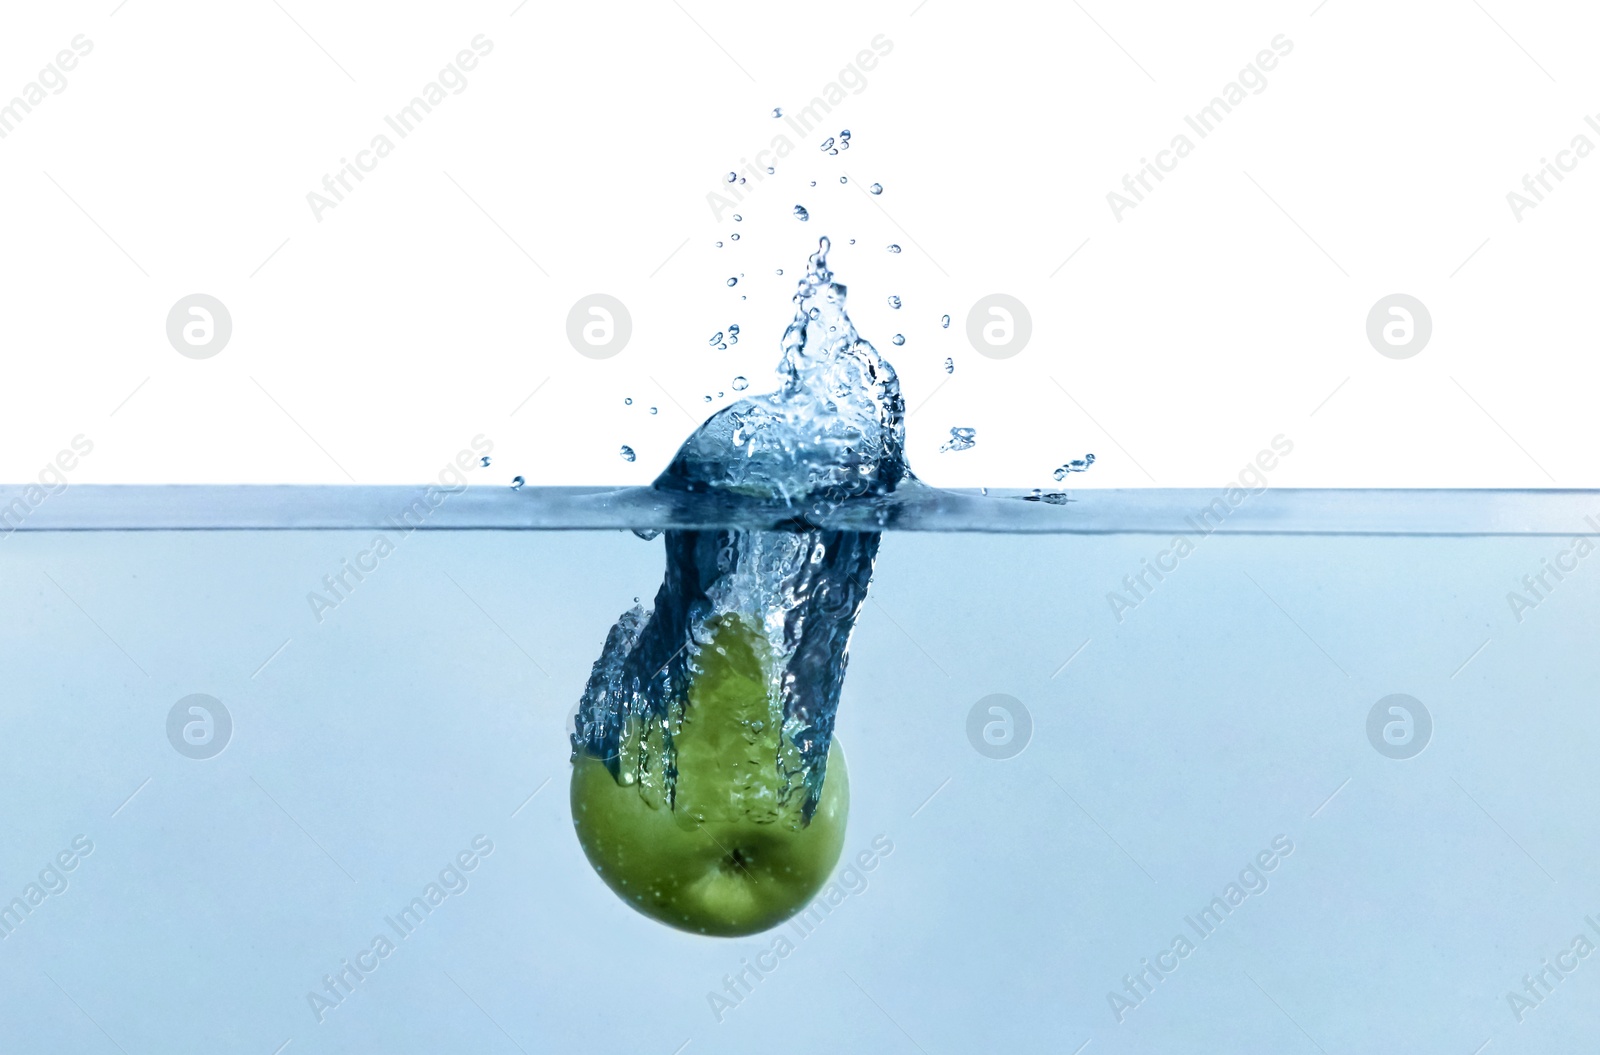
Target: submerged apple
{"points": [[726, 857]]}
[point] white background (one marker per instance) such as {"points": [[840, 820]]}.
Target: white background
{"points": [[374, 343]]}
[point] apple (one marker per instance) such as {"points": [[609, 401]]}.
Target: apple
{"points": [[727, 858]]}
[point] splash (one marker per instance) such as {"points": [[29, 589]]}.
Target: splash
{"points": [[832, 431]]}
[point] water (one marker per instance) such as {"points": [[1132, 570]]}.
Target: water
{"points": [[1163, 752], [831, 432], [961, 439], [303, 749], [1076, 465]]}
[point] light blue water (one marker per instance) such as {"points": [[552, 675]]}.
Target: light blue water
{"points": [[1166, 751]]}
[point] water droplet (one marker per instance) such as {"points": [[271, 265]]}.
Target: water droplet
{"points": [[741, 179], [944, 320], [720, 395], [734, 236], [1077, 465], [627, 453], [827, 144], [801, 214], [732, 176], [835, 151], [733, 328], [777, 111], [740, 384], [898, 338], [716, 338], [876, 188], [949, 366], [844, 179], [813, 183], [484, 461], [733, 282], [652, 410], [627, 401], [961, 440], [517, 482], [852, 241], [894, 302], [719, 245], [708, 399], [737, 218], [894, 249], [780, 270], [722, 347], [845, 134], [770, 170]]}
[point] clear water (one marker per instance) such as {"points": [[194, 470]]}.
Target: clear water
{"points": [[1160, 756]]}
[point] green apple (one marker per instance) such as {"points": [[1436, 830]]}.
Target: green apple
{"points": [[728, 858]]}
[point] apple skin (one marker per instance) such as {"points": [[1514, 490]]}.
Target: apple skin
{"points": [[729, 859]]}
